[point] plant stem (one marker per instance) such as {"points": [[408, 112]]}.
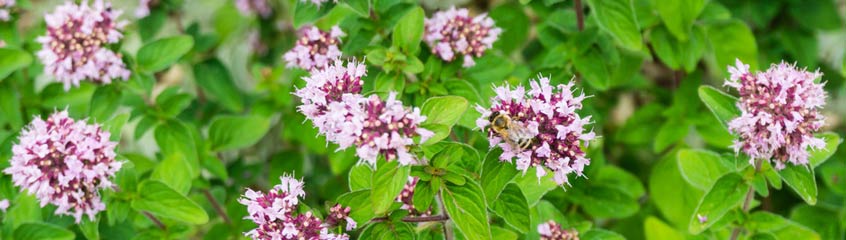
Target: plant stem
{"points": [[217, 206], [436, 218], [447, 229], [750, 194], [155, 220], [580, 17]]}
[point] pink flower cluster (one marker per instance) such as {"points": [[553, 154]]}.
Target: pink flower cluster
{"points": [[5, 6], [551, 230], [332, 100], [75, 47], [406, 197], [275, 213], [779, 113], [249, 7], [144, 6], [548, 117], [64, 162], [315, 49], [453, 32]]}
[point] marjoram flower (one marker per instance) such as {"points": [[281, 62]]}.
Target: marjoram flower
{"points": [[75, 47], [780, 112], [551, 230], [315, 49], [453, 32], [249, 7], [143, 9], [64, 162], [5, 6], [406, 197], [548, 118], [275, 213]]}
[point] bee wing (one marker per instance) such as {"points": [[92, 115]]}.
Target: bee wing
{"points": [[518, 132]]}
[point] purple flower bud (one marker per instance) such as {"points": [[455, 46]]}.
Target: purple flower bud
{"points": [[546, 118], [453, 32], [74, 48], [64, 162], [551, 230], [406, 198], [315, 49], [779, 113]]}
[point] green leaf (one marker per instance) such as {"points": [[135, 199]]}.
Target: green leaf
{"points": [[816, 14], [655, 229], [423, 196], [90, 229], [511, 205], [821, 220], [160, 54], [593, 69], [832, 141], [511, 17], [671, 132], [801, 179], [601, 234], [701, 168], [236, 132], [409, 30], [217, 83], [104, 102], [604, 201], [388, 230], [171, 171], [678, 54], [150, 25], [779, 227], [359, 177], [732, 40], [446, 110], [361, 208], [727, 193], [307, 12], [171, 101], [42, 231], [466, 207], [388, 181], [617, 17], [173, 137], [11, 60], [678, 16], [533, 188], [495, 175], [615, 177], [674, 197], [159, 199], [720, 103], [441, 132]]}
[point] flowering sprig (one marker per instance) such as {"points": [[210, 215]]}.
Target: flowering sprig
{"points": [[453, 32], [315, 49], [64, 162], [276, 215], [779, 113], [548, 118], [551, 230], [75, 47]]}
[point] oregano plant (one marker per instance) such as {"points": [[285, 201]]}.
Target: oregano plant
{"points": [[371, 119]]}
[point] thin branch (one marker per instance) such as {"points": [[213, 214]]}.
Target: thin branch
{"points": [[155, 220], [447, 229], [750, 194], [580, 16], [436, 218], [217, 206]]}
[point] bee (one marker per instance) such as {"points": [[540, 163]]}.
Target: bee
{"points": [[515, 134]]}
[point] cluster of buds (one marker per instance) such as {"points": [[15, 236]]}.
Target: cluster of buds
{"points": [[315, 49], [541, 128], [75, 47], [332, 100], [5, 6], [64, 162], [453, 32], [551, 230], [276, 215], [406, 197], [338, 215], [779, 113], [249, 7]]}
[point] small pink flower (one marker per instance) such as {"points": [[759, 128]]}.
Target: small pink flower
{"points": [[779, 113], [546, 116], [4, 204], [249, 7], [454, 33], [338, 215], [75, 47], [551, 230], [5, 7], [64, 162], [315, 49], [143, 9]]}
